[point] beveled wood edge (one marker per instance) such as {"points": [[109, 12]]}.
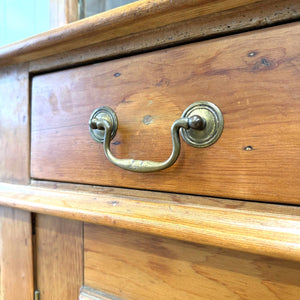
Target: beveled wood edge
{"points": [[271, 234], [87, 293], [256, 15], [124, 21]]}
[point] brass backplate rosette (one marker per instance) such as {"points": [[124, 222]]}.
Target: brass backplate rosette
{"points": [[109, 115], [213, 128]]}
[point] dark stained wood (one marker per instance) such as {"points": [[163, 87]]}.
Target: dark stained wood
{"points": [[267, 229], [253, 78], [16, 261], [228, 21], [138, 266], [14, 124], [59, 254]]}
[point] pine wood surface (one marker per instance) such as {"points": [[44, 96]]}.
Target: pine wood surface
{"points": [[59, 255], [252, 77], [16, 261], [271, 230], [133, 266], [255, 15], [14, 124], [136, 17], [168, 198]]}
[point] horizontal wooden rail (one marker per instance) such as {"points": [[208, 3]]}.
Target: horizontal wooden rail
{"points": [[134, 18], [275, 233]]}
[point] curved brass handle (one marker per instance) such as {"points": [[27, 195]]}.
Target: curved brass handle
{"points": [[103, 126], [145, 166]]}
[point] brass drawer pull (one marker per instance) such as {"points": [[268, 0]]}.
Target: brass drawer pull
{"points": [[201, 125]]}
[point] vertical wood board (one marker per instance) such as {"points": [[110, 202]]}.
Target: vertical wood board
{"points": [[16, 261], [59, 254], [14, 124]]}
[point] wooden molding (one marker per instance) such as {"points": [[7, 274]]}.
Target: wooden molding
{"points": [[137, 17], [275, 234], [244, 18]]}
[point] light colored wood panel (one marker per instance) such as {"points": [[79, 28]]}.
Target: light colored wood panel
{"points": [[263, 229], [16, 261], [255, 15], [136, 17], [63, 12], [139, 266], [59, 254], [252, 77], [14, 124], [86, 293]]}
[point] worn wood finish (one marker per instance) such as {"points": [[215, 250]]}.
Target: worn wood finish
{"points": [[252, 16], [16, 262], [59, 257], [136, 17], [14, 124], [138, 266], [63, 12], [168, 198], [271, 230], [253, 78]]}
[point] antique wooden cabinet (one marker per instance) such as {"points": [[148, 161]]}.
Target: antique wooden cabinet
{"points": [[221, 222]]}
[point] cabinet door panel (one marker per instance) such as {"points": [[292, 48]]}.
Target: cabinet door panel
{"points": [[16, 262], [138, 266], [59, 257]]}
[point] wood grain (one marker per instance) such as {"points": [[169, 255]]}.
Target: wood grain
{"points": [[255, 15], [136, 17], [252, 77], [133, 266], [271, 230], [14, 124], [16, 261], [59, 257], [167, 198]]}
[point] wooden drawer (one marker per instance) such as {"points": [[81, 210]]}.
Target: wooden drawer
{"points": [[253, 78]]}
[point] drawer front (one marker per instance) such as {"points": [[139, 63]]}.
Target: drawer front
{"points": [[253, 78]]}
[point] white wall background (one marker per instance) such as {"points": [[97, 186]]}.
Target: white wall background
{"points": [[20, 19]]}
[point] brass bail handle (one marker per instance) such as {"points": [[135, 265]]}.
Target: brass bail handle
{"points": [[201, 125]]}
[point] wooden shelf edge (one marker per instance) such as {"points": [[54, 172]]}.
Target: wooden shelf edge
{"points": [[271, 234], [137, 17]]}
